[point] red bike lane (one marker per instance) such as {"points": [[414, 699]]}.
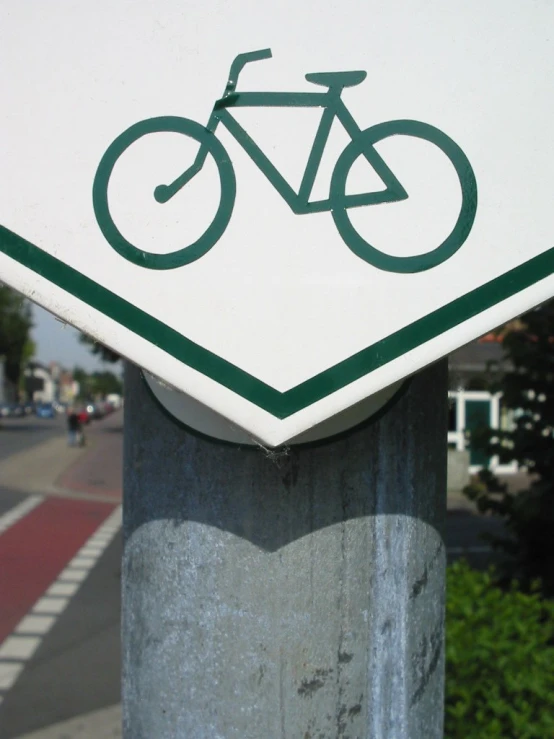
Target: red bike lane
{"points": [[35, 549]]}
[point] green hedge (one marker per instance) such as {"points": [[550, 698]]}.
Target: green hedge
{"points": [[499, 659]]}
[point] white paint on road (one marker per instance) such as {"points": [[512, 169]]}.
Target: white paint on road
{"points": [[9, 672], [35, 624], [53, 606], [82, 562], [18, 648], [16, 513], [70, 574], [65, 588]]}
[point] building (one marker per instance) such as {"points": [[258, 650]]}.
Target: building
{"points": [[66, 388], [473, 369], [39, 384]]}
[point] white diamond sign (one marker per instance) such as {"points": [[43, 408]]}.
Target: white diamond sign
{"points": [[279, 209]]}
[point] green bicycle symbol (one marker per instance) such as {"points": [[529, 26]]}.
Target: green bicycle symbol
{"points": [[338, 203]]}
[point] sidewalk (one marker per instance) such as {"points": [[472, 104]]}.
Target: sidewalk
{"points": [[54, 468], [98, 472]]}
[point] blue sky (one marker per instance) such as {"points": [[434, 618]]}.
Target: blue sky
{"points": [[58, 342]]}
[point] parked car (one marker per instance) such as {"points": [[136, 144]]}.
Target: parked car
{"points": [[11, 410], [99, 409], [45, 410], [115, 400]]}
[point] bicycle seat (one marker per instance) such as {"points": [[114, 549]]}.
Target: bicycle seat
{"points": [[337, 79]]}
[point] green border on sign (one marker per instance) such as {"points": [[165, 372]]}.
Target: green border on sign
{"points": [[280, 405]]}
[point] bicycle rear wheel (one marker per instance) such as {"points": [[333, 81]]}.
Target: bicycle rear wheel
{"points": [[464, 223], [190, 252]]}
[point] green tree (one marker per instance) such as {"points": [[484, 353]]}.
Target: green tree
{"points": [[104, 383], [96, 383], [528, 389], [85, 383], [29, 351], [104, 353], [15, 326]]}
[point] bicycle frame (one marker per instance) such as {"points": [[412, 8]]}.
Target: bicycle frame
{"points": [[299, 202]]}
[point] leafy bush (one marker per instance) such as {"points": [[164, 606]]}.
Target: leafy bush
{"points": [[499, 659]]}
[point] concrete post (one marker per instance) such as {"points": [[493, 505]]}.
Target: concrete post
{"points": [[296, 596]]}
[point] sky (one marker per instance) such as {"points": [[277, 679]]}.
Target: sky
{"points": [[58, 342]]}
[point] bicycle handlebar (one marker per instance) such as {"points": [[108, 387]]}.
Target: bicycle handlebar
{"points": [[238, 65]]}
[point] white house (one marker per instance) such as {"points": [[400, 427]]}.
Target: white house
{"points": [[39, 385]]}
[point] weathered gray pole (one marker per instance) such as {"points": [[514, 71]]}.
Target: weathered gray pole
{"points": [[291, 597]]}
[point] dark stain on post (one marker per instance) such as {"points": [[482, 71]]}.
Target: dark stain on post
{"points": [[290, 477], [419, 585], [310, 686], [344, 715], [433, 645], [341, 723], [345, 657]]}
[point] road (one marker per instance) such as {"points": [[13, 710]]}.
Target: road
{"points": [[18, 434], [60, 549]]}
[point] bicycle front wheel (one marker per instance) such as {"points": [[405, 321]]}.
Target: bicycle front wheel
{"points": [[468, 184], [190, 252]]}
